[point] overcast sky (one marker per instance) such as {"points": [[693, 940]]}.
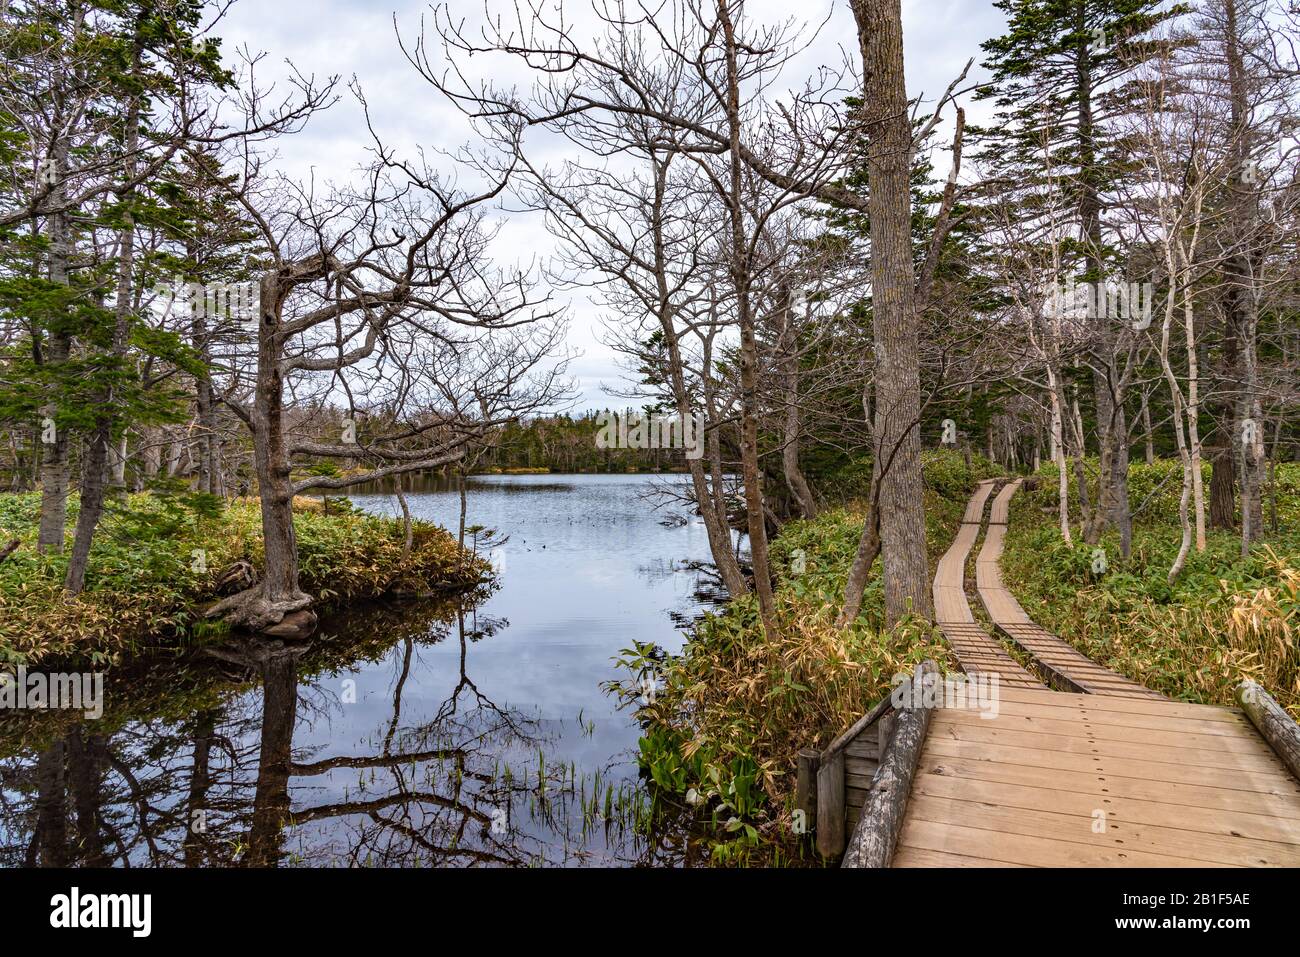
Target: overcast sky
{"points": [[357, 38]]}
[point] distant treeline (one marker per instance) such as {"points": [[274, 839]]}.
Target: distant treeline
{"points": [[567, 443]]}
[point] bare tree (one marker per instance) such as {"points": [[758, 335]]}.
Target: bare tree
{"points": [[357, 283]]}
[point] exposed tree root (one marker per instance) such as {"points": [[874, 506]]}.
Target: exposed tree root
{"points": [[251, 609]]}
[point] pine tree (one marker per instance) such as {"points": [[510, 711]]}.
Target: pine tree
{"points": [[1061, 75]]}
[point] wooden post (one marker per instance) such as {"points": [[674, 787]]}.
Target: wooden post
{"points": [[830, 806], [877, 832], [1274, 724], [884, 732], [805, 792]]}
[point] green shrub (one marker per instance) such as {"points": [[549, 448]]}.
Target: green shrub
{"points": [[156, 559]]}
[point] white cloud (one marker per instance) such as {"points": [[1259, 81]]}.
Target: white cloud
{"points": [[356, 38]]}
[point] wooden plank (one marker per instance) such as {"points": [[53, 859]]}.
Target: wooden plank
{"points": [[975, 507], [861, 766], [1002, 503], [1101, 829], [1065, 666], [1262, 781], [1134, 811], [884, 734], [859, 779], [880, 707], [1033, 851], [907, 856], [830, 805], [805, 791], [1112, 732], [1276, 803], [1276, 726], [1087, 716], [854, 799], [988, 732], [863, 747]]}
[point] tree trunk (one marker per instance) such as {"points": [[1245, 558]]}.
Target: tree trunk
{"points": [[1121, 511], [1058, 457], [792, 427], [57, 350], [205, 726], [205, 409], [1193, 422], [864, 558], [1149, 446], [1184, 453], [271, 464], [897, 380], [741, 275], [712, 512], [49, 847], [1223, 488], [271, 797], [1079, 449], [93, 484], [85, 768], [95, 468], [264, 606], [1240, 271]]}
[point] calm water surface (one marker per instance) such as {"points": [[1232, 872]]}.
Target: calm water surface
{"points": [[427, 733]]}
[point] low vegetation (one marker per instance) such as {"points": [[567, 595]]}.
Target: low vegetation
{"points": [[1225, 618], [160, 560]]}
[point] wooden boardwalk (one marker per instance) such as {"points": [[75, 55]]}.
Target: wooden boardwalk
{"points": [[976, 651], [1066, 668], [1062, 779], [973, 772]]}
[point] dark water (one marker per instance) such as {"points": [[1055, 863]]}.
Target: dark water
{"points": [[431, 733]]}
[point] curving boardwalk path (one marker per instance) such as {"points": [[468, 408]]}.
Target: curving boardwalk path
{"points": [[976, 651], [1065, 667]]}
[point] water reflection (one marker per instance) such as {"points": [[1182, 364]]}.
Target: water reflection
{"points": [[429, 733], [463, 783]]}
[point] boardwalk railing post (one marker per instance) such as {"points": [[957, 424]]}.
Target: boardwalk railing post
{"points": [[884, 732], [805, 792], [1273, 723], [881, 822], [830, 806]]}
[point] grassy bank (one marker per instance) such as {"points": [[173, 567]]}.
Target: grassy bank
{"points": [[157, 560], [732, 711], [1226, 618]]}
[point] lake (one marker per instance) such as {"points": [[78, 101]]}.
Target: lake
{"points": [[421, 733]]}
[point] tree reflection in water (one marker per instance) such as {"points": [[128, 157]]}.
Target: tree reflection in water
{"points": [[194, 765]]}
